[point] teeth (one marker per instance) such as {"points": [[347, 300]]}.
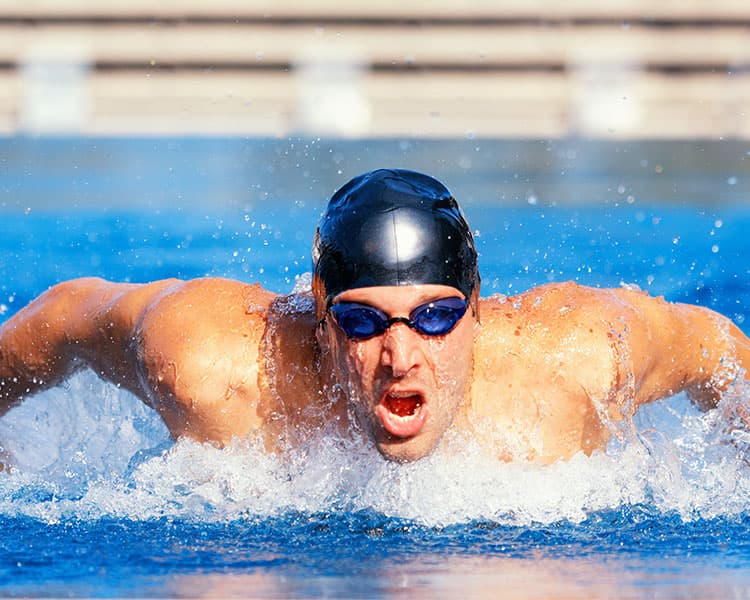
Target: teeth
{"points": [[401, 418], [402, 394]]}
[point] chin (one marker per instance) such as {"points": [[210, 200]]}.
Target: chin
{"points": [[404, 451]]}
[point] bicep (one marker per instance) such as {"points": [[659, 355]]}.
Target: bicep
{"points": [[679, 347]]}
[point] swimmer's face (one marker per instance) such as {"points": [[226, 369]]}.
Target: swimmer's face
{"points": [[404, 388]]}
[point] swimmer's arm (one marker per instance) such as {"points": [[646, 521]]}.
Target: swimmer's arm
{"points": [[82, 322], [188, 349], [680, 347]]}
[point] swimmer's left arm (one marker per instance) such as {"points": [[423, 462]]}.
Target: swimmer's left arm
{"points": [[680, 347]]}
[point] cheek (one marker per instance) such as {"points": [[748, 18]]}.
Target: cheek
{"points": [[364, 359], [355, 361], [451, 360]]}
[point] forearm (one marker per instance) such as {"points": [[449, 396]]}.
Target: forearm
{"points": [[721, 364], [39, 346], [709, 352], [27, 365], [675, 347]]}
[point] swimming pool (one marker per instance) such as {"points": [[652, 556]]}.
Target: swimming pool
{"points": [[103, 504]]}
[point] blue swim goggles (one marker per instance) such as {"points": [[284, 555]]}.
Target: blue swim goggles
{"points": [[361, 321]]}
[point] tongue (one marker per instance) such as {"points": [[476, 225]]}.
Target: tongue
{"points": [[403, 407], [402, 416]]}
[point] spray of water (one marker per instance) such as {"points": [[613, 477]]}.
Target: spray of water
{"points": [[88, 450]]}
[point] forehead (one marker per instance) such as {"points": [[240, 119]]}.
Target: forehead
{"points": [[398, 298]]}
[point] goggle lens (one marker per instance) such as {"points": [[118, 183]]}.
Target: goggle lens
{"points": [[359, 321]]}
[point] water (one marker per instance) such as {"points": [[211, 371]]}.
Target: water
{"points": [[103, 504]]}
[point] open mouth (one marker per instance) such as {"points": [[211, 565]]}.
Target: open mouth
{"points": [[403, 414], [403, 406]]}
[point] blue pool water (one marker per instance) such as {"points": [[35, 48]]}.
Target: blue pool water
{"points": [[102, 504]]}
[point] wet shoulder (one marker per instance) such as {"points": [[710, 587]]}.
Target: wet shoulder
{"points": [[205, 322], [212, 299], [201, 323], [564, 325], [199, 347], [555, 306]]}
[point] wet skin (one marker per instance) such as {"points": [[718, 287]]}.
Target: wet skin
{"points": [[542, 375]]}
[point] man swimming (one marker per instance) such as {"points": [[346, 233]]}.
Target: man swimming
{"points": [[394, 340]]}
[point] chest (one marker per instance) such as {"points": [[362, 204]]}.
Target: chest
{"points": [[542, 391]]}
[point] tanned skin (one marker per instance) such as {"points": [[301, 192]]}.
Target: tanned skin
{"points": [[553, 367]]}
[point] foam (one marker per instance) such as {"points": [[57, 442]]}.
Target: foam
{"points": [[89, 450]]}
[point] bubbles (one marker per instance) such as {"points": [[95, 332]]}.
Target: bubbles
{"points": [[90, 450], [302, 283]]}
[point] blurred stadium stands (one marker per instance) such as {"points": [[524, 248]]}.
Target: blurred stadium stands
{"points": [[622, 69]]}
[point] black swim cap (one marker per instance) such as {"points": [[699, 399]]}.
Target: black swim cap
{"points": [[393, 227]]}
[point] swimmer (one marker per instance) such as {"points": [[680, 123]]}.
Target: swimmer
{"points": [[393, 341]]}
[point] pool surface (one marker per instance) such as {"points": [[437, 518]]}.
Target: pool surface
{"points": [[102, 503]]}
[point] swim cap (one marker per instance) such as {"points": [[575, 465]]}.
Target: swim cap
{"points": [[392, 227]]}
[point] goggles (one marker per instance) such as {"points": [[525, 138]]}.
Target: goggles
{"points": [[361, 321]]}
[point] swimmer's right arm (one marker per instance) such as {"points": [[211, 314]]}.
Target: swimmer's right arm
{"points": [[78, 323], [189, 349]]}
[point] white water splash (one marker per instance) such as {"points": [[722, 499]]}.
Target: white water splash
{"points": [[89, 450]]}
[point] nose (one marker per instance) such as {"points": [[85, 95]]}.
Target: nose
{"points": [[400, 352]]}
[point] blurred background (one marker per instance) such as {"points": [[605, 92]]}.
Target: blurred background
{"points": [[230, 103], [234, 101], [614, 69]]}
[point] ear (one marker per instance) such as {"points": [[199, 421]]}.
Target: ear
{"points": [[322, 337], [474, 303]]}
